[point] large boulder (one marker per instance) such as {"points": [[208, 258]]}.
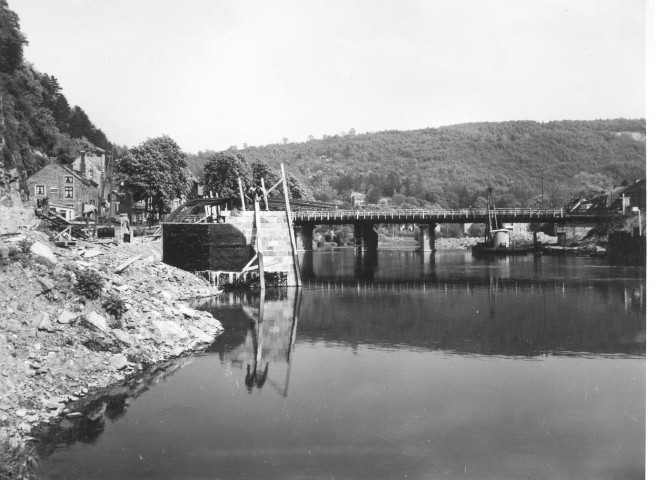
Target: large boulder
{"points": [[118, 361], [169, 330], [43, 251], [67, 316], [122, 336], [97, 320], [45, 323], [187, 311], [199, 334]]}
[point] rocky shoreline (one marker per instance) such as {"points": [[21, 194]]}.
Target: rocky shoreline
{"points": [[79, 318]]}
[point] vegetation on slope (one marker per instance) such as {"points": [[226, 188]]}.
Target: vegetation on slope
{"points": [[453, 166], [36, 120]]}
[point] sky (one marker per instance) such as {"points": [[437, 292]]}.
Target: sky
{"points": [[216, 73]]}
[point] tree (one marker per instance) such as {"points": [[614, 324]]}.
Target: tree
{"points": [[156, 171], [261, 169], [298, 190], [591, 184], [221, 172], [11, 40], [373, 195]]}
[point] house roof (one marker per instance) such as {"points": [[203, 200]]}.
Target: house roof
{"points": [[85, 181], [610, 200]]}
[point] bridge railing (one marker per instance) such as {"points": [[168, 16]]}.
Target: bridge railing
{"points": [[428, 214]]}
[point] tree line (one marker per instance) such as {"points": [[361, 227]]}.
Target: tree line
{"points": [[526, 162]]}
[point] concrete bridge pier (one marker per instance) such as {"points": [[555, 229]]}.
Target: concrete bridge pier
{"points": [[304, 237], [366, 238], [426, 237]]}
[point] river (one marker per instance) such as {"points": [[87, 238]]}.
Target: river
{"points": [[394, 365]]}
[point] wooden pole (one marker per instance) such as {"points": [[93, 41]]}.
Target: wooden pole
{"points": [[292, 340], [260, 255], [292, 237], [265, 194], [243, 200]]}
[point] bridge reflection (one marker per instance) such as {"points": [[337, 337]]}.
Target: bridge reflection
{"points": [[260, 333], [488, 315], [400, 267]]}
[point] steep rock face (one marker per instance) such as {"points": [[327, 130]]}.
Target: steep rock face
{"points": [[13, 215]]}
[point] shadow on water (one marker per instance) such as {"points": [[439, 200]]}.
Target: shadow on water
{"points": [[106, 405]]}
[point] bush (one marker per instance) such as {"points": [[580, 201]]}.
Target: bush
{"points": [[25, 245], [17, 461], [114, 305], [476, 230], [89, 284], [46, 262]]}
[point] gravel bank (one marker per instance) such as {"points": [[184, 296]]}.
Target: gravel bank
{"points": [[58, 346]]}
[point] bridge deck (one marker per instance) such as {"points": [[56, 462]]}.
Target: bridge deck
{"points": [[464, 215]]}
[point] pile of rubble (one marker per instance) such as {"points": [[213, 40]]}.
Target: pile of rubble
{"points": [[57, 345], [463, 243]]}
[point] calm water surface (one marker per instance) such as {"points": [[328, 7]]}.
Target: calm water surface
{"points": [[399, 365]]}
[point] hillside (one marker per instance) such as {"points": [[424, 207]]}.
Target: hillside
{"points": [[36, 120], [452, 166]]}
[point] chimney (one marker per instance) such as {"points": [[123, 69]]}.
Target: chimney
{"points": [[83, 162]]}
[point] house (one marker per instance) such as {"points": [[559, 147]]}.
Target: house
{"points": [[67, 192], [635, 195], [91, 164], [521, 228], [197, 190], [357, 199], [616, 199]]}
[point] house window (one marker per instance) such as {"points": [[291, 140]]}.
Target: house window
{"points": [[68, 179], [40, 190], [68, 192]]}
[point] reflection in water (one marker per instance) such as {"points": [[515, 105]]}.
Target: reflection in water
{"points": [[109, 404], [411, 365], [269, 324]]}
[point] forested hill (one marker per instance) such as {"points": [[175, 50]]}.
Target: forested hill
{"points": [[452, 166], [36, 120]]}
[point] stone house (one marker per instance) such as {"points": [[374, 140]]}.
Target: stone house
{"points": [[91, 165], [68, 192]]}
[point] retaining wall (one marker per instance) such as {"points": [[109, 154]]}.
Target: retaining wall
{"points": [[228, 247]]}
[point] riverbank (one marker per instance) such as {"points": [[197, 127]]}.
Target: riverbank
{"points": [[79, 318]]}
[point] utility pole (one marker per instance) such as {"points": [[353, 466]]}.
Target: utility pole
{"points": [[542, 187], [109, 174]]}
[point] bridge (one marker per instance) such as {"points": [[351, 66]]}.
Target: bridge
{"points": [[427, 219], [306, 215]]}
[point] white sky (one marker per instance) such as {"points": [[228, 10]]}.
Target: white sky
{"points": [[215, 73]]}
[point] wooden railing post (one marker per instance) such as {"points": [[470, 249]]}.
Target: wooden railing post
{"points": [[292, 237]]}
